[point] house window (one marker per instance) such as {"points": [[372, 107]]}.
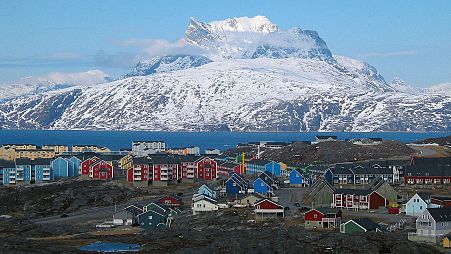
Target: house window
{"points": [[315, 216], [421, 207], [150, 217], [262, 184]]}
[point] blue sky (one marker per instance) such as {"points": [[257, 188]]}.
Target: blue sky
{"points": [[409, 39]]}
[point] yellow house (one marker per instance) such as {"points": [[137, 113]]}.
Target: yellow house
{"points": [[35, 153], [93, 148], [126, 162], [21, 146], [447, 241], [59, 149], [7, 153]]}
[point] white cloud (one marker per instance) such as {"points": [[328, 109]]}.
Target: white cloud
{"points": [[157, 47], [90, 77], [442, 88]]}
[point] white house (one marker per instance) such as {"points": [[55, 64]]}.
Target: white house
{"points": [[418, 204], [203, 203], [432, 225], [145, 148]]}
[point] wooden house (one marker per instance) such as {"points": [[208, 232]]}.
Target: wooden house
{"points": [[236, 184], [321, 194], [170, 201], [361, 225], [432, 225], [127, 216], [268, 209], [204, 203], [323, 218], [358, 199]]}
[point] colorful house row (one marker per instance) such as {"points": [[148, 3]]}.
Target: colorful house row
{"points": [[257, 166], [162, 169], [380, 193], [25, 171], [428, 171], [343, 174]]}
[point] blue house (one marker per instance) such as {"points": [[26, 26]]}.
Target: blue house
{"points": [[7, 169], [258, 166], [207, 191], [263, 186], [23, 171], [236, 184], [77, 166], [42, 169], [297, 179], [151, 220], [65, 167], [339, 175]]}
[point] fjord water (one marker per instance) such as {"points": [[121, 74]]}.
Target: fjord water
{"points": [[116, 140]]}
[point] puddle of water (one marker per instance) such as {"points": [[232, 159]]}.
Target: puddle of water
{"points": [[110, 247]]}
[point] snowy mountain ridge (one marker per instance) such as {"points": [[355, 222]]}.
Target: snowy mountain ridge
{"points": [[253, 77]]}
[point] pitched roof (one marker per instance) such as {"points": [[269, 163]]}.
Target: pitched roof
{"points": [[354, 191], [135, 209], [441, 198], [341, 171], [367, 224], [327, 210], [200, 197], [268, 200], [440, 214]]}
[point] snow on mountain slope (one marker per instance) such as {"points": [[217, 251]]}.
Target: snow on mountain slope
{"points": [[50, 82], [243, 95], [262, 79], [166, 64], [442, 88]]}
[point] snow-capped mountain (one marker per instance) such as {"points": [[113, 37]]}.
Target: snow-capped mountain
{"points": [[256, 37], [304, 89], [166, 64], [51, 82]]}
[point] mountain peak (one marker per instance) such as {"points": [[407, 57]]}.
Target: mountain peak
{"points": [[260, 24]]}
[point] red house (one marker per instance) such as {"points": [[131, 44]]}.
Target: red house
{"points": [[170, 201], [226, 168], [86, 164], [441, 201], [188, 165], [207, 168], [323, 218], [101, 170], [139, 172], [164, 169], [268, 209], [358, 199]]}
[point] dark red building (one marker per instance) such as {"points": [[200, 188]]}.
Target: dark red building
{"points": [[170, 201], [323, 218]]}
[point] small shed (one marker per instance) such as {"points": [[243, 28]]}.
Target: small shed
{"points": [[446, 241]]}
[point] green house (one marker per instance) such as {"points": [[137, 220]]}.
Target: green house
{"points": [[359, 226]]}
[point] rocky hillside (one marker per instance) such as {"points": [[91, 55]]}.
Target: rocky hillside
{"points": [[337, 152]]}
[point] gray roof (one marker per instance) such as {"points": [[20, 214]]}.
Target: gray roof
{"points": [[354, 191], [440, 214], [23, 161], [367, 223], [327, 210], [7, 164]]}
